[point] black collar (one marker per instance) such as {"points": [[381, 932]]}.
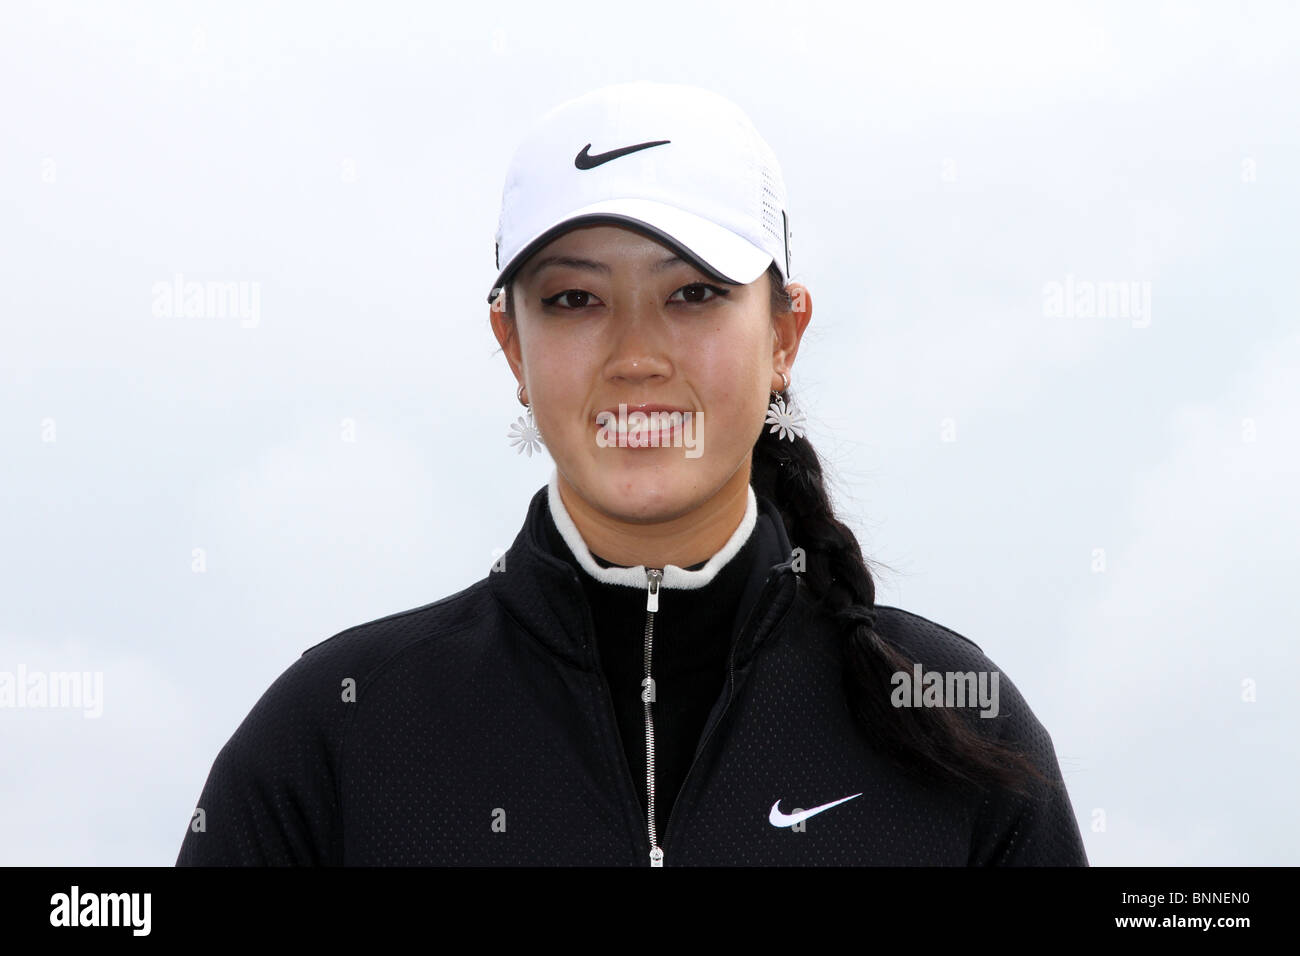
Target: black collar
{"points": [[544, 594]]}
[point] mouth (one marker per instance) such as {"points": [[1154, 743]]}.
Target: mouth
{"points": [[642, 424]]}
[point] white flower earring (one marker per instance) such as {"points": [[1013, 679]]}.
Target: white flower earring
{"points": [[789, 420], [523, 433]]}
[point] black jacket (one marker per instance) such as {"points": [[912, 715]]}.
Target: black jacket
{"points": [[479, 730]]}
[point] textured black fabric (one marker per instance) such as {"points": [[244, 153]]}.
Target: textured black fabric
{"points": [[482, 734], [693, 633]]}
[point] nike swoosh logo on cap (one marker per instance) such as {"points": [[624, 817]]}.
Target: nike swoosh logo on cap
{"points": [[779, 819], [586, 161]]}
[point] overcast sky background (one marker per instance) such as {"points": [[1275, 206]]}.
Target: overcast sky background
{"points": [[944, 163]]}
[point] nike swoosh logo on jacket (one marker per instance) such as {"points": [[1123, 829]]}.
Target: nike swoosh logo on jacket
{"points": [[779, 819]]}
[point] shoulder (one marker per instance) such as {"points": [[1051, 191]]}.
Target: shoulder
{"points": [[956, 660], [1036, 828], [925, 641], [271, 795], [309, 693], [365, 649]]}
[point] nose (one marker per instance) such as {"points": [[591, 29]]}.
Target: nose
{"points": [[639, 340]]}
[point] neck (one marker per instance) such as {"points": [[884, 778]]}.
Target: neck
{"points": [[714, 530]]}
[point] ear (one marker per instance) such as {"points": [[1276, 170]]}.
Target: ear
{"points": [[506, 331], [789, 326]]}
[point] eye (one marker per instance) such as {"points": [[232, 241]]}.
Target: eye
{"points": [[697, 289], [578, 294]]}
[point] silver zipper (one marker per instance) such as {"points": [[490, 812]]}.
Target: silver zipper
{"points": [[654, 576]]}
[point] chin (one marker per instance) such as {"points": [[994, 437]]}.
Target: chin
{"points": [[645, 484]]}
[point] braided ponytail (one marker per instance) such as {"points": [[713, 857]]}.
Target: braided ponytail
{"points": [[935, 745]]}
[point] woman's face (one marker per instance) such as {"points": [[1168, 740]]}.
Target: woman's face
{"points": [[637, 326]]}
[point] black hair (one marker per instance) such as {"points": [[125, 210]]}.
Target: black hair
{"points": [[936, 745]]}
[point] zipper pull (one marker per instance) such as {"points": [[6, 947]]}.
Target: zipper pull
{"points": [[653, 577], [656, 856]]}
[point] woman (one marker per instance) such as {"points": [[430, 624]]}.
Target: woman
{"points": [[680, 659]]}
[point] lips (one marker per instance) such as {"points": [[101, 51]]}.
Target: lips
{"points": [[656, 425]]}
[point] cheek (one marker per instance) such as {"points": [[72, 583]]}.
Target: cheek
{"points": [[731, 358], [732, 378], [558, 372]]}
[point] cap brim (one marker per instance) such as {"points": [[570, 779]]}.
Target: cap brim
{"points": [[714, 250]]}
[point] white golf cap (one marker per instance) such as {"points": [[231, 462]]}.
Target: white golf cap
{"points": [[680, 164]]}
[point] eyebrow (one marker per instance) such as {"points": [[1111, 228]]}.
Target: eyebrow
{"points": [[591, 265]]}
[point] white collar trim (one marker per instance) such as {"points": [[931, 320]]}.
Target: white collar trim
{"points": [[674, 577]]}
